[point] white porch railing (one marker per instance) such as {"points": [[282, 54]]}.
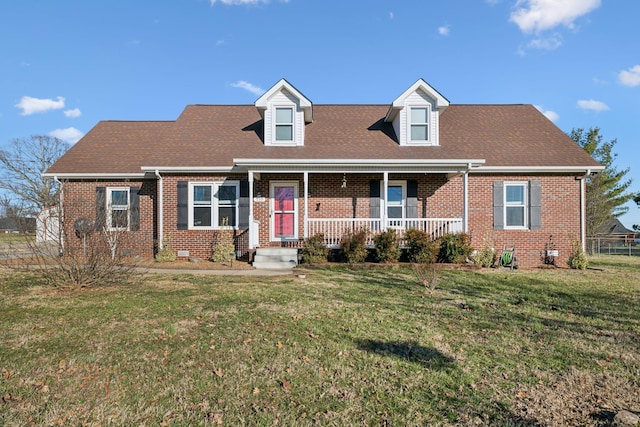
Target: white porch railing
{"points": [[334, 228]]}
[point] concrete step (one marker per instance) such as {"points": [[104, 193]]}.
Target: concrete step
{"points": [[277, 251], [275, 258]]}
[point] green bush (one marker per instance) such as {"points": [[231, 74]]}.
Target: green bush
{"points": [[420, 247], [577, 259], [485, 257], [387, 247], [314, 250], [353, 246], [455, 248]]}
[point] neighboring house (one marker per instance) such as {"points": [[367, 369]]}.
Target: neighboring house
{"points": [[284, 169], [614, 230], [17, 225]]}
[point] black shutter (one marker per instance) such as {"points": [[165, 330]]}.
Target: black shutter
{"points": [[412, 198], [183, 205], [535, 205], [101, 208], [498, 205], [243, 205], [134, 200], [374, 199]]}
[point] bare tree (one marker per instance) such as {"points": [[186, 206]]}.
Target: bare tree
{"points": [[22, 165]]}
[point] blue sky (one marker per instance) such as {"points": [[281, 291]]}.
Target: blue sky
{"points": [[66, 65]]}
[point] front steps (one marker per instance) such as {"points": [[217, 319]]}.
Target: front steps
{"points": [[275, 258]]}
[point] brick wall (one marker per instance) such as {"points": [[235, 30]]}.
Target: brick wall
{"points": [[560, 199], [79, 201], [438, 197]]}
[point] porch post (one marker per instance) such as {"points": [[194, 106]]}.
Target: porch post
{"points": [[384, 201], [465, 201], [306, 205], [251, 227]]}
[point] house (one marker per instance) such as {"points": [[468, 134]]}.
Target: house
{"points": [[284, 169], [614, 230]]}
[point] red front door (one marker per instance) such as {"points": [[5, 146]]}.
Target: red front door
{"points": [[284, 210]]}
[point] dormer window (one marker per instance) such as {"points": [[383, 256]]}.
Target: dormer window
{"points": [[415, 115], [419, 124], [285, 113], [284, 124]]}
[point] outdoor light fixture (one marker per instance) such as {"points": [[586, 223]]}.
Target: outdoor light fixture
{"points": [[344, 180]]}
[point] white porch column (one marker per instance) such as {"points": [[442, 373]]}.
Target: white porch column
{"points": [[306, 205], [251, 227], [465, 200], [383, 201]]}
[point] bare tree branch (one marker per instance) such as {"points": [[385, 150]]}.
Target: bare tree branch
{"points": [[22, 166]]}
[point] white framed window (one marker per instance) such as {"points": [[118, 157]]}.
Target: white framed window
{"points": [[515, 205], [396, 205], [118, 207], [419, 124], [213, 204], [284, 117]]}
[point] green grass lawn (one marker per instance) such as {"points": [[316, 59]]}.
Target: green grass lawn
{"points": [[339, 347]]}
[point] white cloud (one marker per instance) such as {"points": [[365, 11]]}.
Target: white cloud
{"points": [[30, 105], [551, 115], [248, 87], [550, 43], [630, 77], [444, 30], [391, 15], [593, 105], [539, 15], [70, 135], [72, 113]]}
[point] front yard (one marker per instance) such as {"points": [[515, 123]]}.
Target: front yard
{"points": [[338, 347]]}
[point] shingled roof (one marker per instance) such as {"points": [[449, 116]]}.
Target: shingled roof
{"points": [[214, 135]]}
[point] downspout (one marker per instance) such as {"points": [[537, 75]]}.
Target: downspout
{"points": [[60, 216], [583, 210], [160, 211]]}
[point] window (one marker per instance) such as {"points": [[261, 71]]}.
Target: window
{"points": [[284, 124], [213, 204], [118, 204], [419, 124], [515, 207]]}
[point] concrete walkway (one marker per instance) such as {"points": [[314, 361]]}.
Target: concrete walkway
{"points": [[205, 272]]}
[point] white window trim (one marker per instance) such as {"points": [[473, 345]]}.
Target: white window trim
{"points": [[429, 125], [524, 205], [110, 209], [274, 125], [214, 204]]}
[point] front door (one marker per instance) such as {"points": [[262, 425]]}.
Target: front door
{"points": [[284, 210]]}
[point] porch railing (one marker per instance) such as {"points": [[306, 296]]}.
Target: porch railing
{"points": [[335, 228]]}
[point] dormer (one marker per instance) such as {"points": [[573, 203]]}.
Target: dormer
{"points": [[415, 115], [285, 112]]}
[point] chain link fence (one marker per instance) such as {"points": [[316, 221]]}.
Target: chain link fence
{"points": [[613, 246]]}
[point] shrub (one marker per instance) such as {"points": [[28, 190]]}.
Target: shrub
{"points": [[166, 254], [455, 248], [224, 249], [314, 250], [420, 248], [387, 248], [577, 260], [485, 257], [353, 246], [427, 275]]}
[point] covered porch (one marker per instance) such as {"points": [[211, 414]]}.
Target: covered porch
{"points": [[292, 200]]}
